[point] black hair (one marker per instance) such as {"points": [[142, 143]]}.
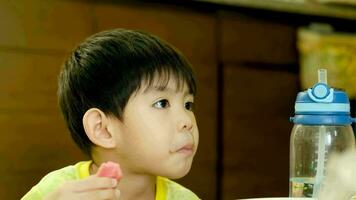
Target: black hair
{"points": [[108, 67]]}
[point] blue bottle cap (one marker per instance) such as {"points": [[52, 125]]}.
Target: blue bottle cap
{"points": [[322, 105]]}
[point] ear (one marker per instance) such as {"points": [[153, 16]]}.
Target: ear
{"points": [[95, 124]]}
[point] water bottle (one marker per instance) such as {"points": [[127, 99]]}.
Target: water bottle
{"points": [[322, 125]]}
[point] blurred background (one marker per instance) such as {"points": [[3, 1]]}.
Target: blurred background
{"points": [[251, 59]]}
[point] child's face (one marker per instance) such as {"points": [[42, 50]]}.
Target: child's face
{"points": [[159, 132]]}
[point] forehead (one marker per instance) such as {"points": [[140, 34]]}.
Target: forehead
{"points": [[160, 84]]}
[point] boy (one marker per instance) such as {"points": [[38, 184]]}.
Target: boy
{"points": [[126, 97]]}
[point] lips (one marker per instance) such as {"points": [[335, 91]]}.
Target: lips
{"points": [[186, 149]]}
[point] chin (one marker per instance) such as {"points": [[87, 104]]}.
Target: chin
{"points": [[179, 173]]}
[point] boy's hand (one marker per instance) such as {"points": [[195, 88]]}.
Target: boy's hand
{"points": [[91, 188]]}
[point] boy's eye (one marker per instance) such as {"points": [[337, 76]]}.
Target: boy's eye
{"points": [[189, 106], [161, 103]]}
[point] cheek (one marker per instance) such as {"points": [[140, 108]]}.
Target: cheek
{"points": [[149, 134], [196, 135], [196, 129]]}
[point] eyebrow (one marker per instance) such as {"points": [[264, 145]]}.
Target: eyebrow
{"points": [[168, 89]]}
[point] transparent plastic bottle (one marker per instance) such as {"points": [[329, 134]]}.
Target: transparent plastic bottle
{"points": [[322, 125]]}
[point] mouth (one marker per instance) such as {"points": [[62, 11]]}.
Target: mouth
{"points": [[186, 149]]}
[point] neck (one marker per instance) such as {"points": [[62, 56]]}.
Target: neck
{"points": [[132, 185]]}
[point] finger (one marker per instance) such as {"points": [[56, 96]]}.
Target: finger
{"points": [[106, 194], [93, 183]]}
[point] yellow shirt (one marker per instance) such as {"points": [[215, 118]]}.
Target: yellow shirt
{"points": [[165, 188]]}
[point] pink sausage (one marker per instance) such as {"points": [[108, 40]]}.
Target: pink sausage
{"points": [[110, 170]]}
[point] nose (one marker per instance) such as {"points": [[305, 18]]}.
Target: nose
{"points": [[185, 121]]}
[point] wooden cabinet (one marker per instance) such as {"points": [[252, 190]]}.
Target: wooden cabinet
{"points": [[256, 130], [248, 39], [46, 26], [259, 84]]}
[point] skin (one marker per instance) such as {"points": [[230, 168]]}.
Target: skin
{"points": [[157, 136]]}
